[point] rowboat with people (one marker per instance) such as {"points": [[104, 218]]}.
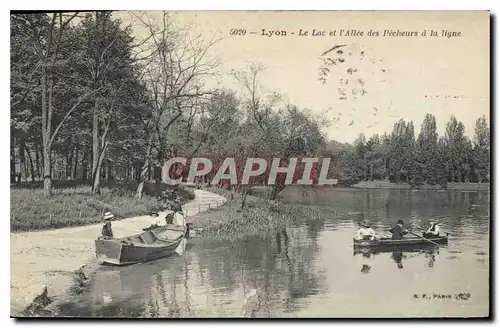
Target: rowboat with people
{"points": [[154, 242], [408, 241], [367, 238], [149, 245]]}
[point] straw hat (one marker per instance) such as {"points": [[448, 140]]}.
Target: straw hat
{"points": [[108, 216]]}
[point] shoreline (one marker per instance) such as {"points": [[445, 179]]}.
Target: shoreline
{"points": [[54, 259], [452, 186]]}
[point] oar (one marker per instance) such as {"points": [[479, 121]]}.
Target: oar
{"points": [[430, 241]]}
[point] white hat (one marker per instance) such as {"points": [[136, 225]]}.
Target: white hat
{"points": [[108, 216]]}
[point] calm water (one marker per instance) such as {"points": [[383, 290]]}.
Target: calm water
{"points": [[311, 270]]}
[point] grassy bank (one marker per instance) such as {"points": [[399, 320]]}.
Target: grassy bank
{"points": [[258, 217], [73, 205]]}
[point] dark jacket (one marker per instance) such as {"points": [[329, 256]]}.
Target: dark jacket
{"points": [[169, 218], [176, 207], [106, 230], [398, 232]]}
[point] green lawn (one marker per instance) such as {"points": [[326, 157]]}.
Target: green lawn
{"points": [[75, 206]]}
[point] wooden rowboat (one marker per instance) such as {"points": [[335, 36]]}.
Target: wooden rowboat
{"points": [[386, 242], [152, 244]]}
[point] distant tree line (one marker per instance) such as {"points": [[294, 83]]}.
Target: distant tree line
{"points": [[89, 101], [425, 159]]}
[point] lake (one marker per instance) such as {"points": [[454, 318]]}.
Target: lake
{"points": [[311, 270]]}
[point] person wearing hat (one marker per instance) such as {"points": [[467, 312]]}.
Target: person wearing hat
{"points": [[397, 231], [107, 232], [365, 232], [433, 230]]}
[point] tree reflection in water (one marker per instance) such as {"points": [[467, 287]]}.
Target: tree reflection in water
{"points": [[279, 266]]}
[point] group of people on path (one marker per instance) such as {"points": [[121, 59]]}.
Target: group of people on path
{"points": [[366, 232]]}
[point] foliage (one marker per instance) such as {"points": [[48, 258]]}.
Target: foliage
{"points": [[430, 159]]}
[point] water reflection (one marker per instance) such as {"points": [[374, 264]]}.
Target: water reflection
{"points": [[311, 269], [397, 255], [398, 258]]}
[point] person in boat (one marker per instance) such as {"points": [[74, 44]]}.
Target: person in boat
{"points": [[177, 207], [397, 231], [433, 231], [169, 218], [366, 232], [107, 231]]}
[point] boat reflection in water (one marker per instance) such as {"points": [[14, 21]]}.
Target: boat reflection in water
{"points": [[133, 290], [396, 254], [366, 262]]}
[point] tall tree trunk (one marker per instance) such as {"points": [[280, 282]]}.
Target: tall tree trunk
{"points": [[95, 149], [75, 163], [37, 161], [32, 167], [22, 160], [69, 161], [96, 185], [46, 128], [100, 151], [244, 197], [47, 170], [276, 189], [85, 164], [145, 166], [109, 175], [12, 160]]}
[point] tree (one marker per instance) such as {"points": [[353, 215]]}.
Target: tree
{"points": [[173, 75], [481, 150], [401, 155], [455, 149], [104, 59], [427, 150], [48, 37]]}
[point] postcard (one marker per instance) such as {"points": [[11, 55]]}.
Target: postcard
{"points": [[250, 164]]}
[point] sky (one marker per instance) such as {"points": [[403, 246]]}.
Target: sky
{"points": [[402, 76]]}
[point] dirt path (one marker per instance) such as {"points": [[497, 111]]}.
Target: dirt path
{"points": [[48, 258]]}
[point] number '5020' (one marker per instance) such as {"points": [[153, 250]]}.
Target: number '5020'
{"points": [[235, 31]]}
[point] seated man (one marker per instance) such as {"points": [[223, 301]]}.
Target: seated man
{"points": [[398, 232], [169, 218], [107, 232], [433, 230], [365, 232]]}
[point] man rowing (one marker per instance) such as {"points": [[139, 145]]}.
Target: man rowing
{"points": [[397, 231], [365, 232]]}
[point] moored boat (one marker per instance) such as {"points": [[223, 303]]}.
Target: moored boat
{"points": [[153, 243]]}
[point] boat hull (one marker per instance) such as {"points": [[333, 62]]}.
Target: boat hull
{"points": [[407, 243], [143, 247]]}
